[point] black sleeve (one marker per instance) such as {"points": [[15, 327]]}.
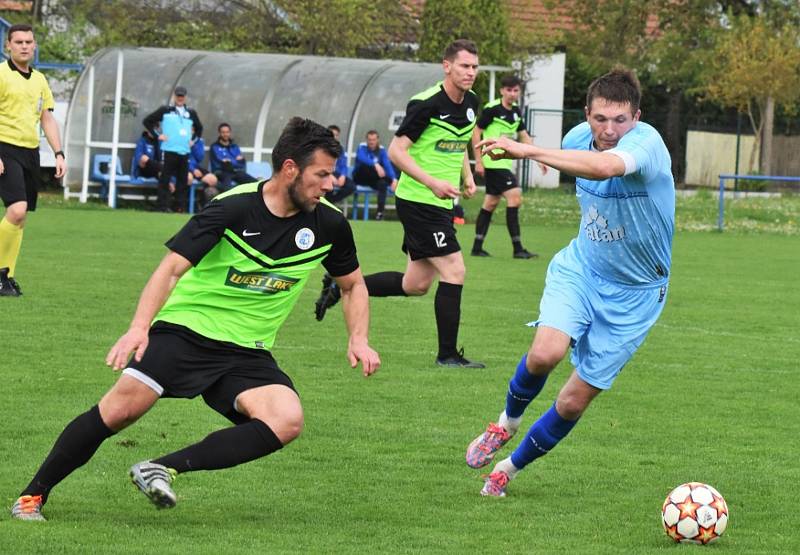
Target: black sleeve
{"points": [[485, 119], [198, 127], [418, 114], [154, 119], [521, 127], [342, 259], [201, 233]]}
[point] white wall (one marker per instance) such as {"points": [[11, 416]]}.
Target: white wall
{"points": [[545, 90]]}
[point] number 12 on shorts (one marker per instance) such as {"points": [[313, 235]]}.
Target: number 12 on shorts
{"points": [[438, 237]]}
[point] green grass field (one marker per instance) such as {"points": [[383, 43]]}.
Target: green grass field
{"points": [[711, 396]]}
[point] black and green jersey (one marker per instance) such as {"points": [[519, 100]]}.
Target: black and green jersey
{"points": [[249, 266], [440, 130], [498, 121]]}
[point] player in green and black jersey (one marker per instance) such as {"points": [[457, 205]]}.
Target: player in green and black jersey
{"points": [[430, 148], [500, 118], [209, 314]]}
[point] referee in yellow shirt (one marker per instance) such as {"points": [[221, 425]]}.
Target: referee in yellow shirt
{"points": [[25, 100]]}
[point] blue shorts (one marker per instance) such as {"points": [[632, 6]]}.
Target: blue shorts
{"points": [[606, 321]]}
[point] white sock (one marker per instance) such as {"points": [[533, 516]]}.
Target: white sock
{"points": [[510, 424], [508, 467]]}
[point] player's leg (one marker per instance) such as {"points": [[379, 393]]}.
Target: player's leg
{"points": [[253, 393], [18, 192], [513, 198], [447, 306], [553, 426], [381, 185], [620, 320], [483, 221], [169, 169], [182, 184], [122, 405], [11, 231], [548, 348], [272, 417]]}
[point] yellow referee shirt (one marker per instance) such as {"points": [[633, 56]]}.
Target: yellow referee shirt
{"points": [[22, 99]]}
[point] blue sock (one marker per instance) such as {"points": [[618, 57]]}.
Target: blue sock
{"points": [[542, 437], [522, 389]]}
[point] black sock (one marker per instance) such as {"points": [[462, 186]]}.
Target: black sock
{"points": [[447, 306], [225, 448], [73, 448], [385, 284], [512, 222], [481, 228]]}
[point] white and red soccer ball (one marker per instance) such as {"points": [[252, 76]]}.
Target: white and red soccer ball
{"points": [[694, 513]]}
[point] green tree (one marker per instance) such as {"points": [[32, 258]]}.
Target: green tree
{"points": [[659, 40], [754, 66], [484, 22]]}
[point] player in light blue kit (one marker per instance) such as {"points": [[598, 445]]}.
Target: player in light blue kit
{"points": [[607, 288]]}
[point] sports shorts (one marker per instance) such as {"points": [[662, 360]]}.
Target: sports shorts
{"points": [[498, 181], [20, 180], [181, 363], [428, 230], [606, 321]]}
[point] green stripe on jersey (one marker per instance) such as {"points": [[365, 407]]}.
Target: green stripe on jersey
{"points": [[239, 295]]}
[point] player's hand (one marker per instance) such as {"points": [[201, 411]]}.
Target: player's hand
{"points": [[479, 169], [444, 189], [469, 187], [2, 168], [162, 137], [393, 185], [381, 172], [359, 350], [134, 341], [61, 167], [499, 148], [543, 168]]}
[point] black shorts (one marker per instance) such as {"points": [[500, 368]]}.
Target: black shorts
{"points": [[498, 181], [20, 180], [428, 230], [203, 171], [181, 363]]}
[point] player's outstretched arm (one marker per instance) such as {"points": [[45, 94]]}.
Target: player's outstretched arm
{"points": [[153, 297], [355, 304], [580, 163], [50, 128], [398, 154]]}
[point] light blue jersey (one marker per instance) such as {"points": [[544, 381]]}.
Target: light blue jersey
{"points": [[607, 288], [627, 222], [177, 126]]}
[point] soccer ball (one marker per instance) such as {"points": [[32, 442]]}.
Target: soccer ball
{"points": [[694, 513]]}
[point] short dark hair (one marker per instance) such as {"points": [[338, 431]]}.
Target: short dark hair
{"points": [[21, 27], [457, 46], [371, 132], [619, 85], [223, 124], [333, 127], [300, 139], [510, 81]]}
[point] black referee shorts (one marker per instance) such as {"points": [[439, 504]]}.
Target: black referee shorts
{"points": [[498, 181], [20, 180], [181, 363], [428, 230]]}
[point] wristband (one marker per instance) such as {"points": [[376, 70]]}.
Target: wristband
{"points": [[60, 153]]}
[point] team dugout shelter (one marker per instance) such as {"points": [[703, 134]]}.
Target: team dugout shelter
{"points": [[256, 94]]}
